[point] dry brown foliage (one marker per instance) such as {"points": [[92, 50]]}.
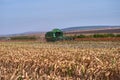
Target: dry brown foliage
{"points": [[60, 61]]}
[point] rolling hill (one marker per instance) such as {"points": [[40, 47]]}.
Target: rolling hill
{"points": [[75, 30], [84, 28], [92, 29]]}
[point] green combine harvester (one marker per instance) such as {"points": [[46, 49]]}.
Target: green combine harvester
{"points": [[55, 35]]}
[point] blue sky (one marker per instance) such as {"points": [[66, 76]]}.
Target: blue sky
{"points": [[17, 16]]}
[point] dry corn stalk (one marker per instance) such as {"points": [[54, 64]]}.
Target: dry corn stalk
{"points": [[60, 60]]}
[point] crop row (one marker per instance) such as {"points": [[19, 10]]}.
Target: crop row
{"points": [[60, 60]]}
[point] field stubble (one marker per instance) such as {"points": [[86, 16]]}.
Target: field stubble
{"points": [[86, 60]]}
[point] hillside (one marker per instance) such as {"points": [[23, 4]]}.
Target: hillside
{"points": [[92, 30], [74, 30], [97, 31], [84, 28]]}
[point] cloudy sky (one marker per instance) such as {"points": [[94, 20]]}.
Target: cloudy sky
{"points": [[17, 16]]}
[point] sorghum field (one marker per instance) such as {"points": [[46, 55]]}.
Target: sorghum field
{"points": [[69, 60]]}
